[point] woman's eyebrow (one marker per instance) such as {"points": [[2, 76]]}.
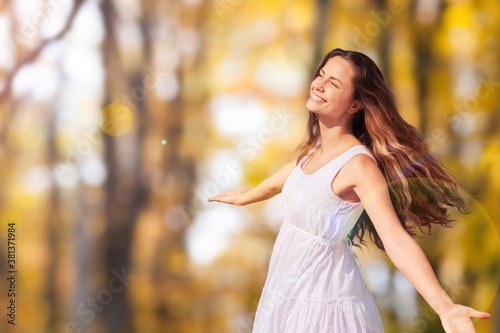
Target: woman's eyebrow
{"points": [[331, 77]]}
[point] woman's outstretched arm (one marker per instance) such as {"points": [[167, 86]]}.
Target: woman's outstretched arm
{"points": [[371, 187], [267, 189]]}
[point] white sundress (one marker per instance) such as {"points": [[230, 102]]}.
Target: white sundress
{"points": [[314, 284]]}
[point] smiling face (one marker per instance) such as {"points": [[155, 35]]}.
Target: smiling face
{"points": [[331, 92]]}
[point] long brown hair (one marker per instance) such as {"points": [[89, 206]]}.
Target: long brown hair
{"points": [[421, 190]]}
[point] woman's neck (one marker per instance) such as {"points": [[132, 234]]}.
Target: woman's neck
{"points": [[334, 136]]}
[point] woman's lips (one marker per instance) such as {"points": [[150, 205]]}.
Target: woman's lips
{"points": [[317, 99]]}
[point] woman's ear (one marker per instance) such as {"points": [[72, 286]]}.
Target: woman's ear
{"points": [[355, 107]]}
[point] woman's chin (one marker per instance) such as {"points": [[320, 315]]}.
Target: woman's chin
{"points": [[310, 105]]}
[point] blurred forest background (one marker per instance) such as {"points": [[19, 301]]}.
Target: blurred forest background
{"points": [[119, 118]]}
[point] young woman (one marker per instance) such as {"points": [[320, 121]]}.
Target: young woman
{"points": [[360, 156]]}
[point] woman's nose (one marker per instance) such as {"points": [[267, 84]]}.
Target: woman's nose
{"points": [[318, 84]]}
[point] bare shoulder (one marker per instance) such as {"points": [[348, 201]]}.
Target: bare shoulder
{"points": [[276, 181], [363, 169], [290, 165], [362, 162]]}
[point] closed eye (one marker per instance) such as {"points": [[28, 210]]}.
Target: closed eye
{"points": [[322, 72], [321, 76]]}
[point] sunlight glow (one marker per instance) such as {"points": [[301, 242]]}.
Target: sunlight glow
{"points": [[238, 114], [211, 233]]}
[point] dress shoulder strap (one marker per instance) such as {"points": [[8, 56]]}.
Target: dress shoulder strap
{"points": [[353, 151], [362, 150]]}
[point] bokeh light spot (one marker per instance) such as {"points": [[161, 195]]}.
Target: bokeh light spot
{"points": [[116, 119]]}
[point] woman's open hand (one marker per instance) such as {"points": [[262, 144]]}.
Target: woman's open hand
{"points": [[457, 319], [230, 197]]}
